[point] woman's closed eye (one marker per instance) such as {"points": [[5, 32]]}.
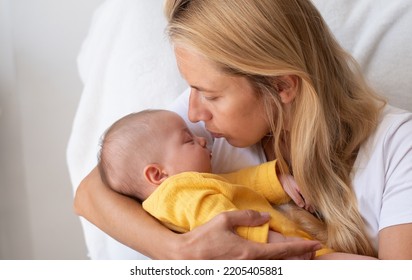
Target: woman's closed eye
{"points": [[205, 94], [209, 98]]}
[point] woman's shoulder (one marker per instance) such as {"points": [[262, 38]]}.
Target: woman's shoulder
{"points": [[391, 116], [395, 125], [390, 143]]}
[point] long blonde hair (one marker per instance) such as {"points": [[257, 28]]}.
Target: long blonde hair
{"points": [[333, 113]]}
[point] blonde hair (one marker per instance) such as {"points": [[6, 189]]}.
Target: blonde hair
{"points": [[127, 146], [333, 113]]}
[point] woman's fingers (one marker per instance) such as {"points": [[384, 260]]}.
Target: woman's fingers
{"points": [[244, 218], [303, 249], [217, 239], [295, 248]]}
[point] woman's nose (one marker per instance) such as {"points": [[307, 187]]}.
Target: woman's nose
{"points": [[197, 111]]}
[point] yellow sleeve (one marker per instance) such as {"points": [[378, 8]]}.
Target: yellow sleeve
{"points": [[188, 200], [325, 250], [262, 179]]}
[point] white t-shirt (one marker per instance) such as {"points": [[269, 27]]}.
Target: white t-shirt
{"points": [[382, 173]]}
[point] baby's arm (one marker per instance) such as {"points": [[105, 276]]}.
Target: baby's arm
{"points": [[265, 179], [195, 202], [262, 179]]}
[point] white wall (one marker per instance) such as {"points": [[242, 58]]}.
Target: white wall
{"points": [[39, 93]]}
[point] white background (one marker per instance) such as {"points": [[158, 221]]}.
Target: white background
{"points": [[39, 93]]}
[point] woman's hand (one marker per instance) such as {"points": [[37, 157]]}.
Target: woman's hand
{"points": [[217, 239]]}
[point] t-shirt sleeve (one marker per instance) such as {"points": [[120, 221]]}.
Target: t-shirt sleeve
{"points": [[397, 195]]}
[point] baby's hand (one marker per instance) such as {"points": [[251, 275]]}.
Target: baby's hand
{"points": [[292, 189]]}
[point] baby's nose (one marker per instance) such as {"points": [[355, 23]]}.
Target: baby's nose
{"points": [[202, 141]]}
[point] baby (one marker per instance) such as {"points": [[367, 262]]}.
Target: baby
{"points": [[154, 157]]}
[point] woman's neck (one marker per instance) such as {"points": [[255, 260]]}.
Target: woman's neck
{"points": [[268, 148]]}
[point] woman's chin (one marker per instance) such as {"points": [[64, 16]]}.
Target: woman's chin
{"points": [[238, 143]]}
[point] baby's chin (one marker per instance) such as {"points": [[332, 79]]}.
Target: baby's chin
{"points": [[208, 169]]}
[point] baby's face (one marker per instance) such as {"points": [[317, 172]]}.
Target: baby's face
{"points": [[183, 151]]}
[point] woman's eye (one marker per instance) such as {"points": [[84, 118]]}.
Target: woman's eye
{"points": [[209, 98]]}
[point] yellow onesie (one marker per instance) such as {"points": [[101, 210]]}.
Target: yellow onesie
{"points": [[190, 199]]}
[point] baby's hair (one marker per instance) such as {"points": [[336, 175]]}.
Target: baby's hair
{"points": [[125, 148]]}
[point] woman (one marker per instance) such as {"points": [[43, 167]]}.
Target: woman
{"points": [[269, 75]]}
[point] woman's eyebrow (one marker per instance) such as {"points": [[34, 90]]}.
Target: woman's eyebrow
{"points": [[199, 88]]}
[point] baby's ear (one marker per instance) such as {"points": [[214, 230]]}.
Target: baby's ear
{"points": [[155, 174]]}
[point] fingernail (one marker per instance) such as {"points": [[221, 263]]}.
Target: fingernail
{"points": [[317, 247], [265, 214]]}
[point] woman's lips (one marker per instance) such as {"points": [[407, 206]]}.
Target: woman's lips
{"points": [[216, 135]]}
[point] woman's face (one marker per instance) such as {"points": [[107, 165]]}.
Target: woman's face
{"points": [[226, 104]]}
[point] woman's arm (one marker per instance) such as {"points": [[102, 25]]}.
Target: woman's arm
{"points": [[343, 256], [395, 242], [121, 217], [125, 220]]}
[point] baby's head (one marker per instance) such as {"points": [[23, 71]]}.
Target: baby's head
{"points": [[139, 151]]}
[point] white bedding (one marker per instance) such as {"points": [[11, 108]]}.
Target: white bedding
{"points": [[378, 33], [126, 65]]}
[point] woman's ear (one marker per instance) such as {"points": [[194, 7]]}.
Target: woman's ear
{"points": [[287, 87], [154, 174]]}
